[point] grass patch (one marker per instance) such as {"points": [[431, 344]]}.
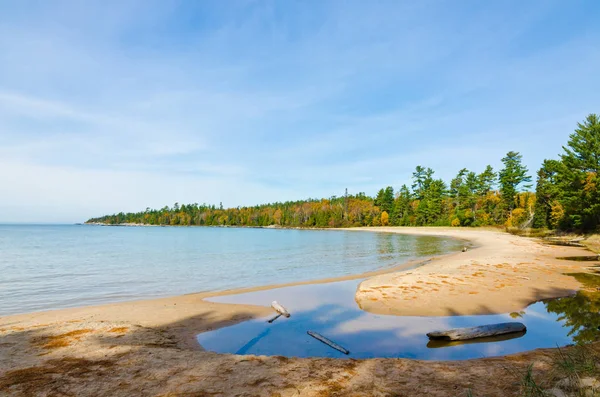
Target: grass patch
{"points": [[529, 387], [577, 361], [589, 280], [585, 258], [529, 232]]}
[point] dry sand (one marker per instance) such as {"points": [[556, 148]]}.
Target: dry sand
{"points": [[147, 348], [503, 274]]}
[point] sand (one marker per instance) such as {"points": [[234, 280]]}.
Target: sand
{"points": [[147, 348], [503, 274]]}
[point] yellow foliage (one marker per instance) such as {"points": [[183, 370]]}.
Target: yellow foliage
{"points": [[277, 216], [589, 184], [484, 218], [376, 221], [517, 217], [385, 219], [455, 222], [556, 214]]}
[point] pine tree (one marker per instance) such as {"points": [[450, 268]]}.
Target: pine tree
{"points": [[579, 175], [512, 176], [546, 193]]}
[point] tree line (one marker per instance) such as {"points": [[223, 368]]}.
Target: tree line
{"points": [[566, 197]]}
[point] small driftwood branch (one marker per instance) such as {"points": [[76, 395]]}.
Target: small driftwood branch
{"points": [[477, 332], [328, 342], [274, 318]]}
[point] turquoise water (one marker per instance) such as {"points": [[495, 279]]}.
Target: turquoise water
{"points": [[50, 267]]}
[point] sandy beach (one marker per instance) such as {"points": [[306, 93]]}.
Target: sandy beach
{"points": [[148, 348]]}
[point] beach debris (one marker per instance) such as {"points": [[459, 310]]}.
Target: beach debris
{"points": [[274, 318], [478, 332], [523, 277], [328, 342], [281, 311], [440, 344], [464, 249]]}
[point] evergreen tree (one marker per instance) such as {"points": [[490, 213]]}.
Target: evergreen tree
{"points": [[546, 193], [402, 208], [487, 180], [385, 199], [578, 177], [430, 208], [512, 176], [422, 178]]}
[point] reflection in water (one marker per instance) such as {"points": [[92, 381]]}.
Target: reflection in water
{"points": [[330, 310], [581, 313]]}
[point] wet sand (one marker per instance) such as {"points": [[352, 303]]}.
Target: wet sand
{"points": [[148, 347]]}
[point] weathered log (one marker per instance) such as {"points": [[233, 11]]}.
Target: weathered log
{"points": [[477, 332], [280, 309], [439, 343], [328, 342]]}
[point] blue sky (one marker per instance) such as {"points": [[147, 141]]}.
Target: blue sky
{"points": [[122, 105]]}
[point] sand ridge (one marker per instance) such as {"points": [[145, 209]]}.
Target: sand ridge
{"points": [[502, 274]]}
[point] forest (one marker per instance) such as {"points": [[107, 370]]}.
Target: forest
{"points": [[566, 197]]}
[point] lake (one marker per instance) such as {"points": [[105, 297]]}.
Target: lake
{"points": [[45, 267]]}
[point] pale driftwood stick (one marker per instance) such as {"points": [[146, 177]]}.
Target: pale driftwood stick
{"points": [[274, 318], [328, 342], [280, 309], [477, 332]]}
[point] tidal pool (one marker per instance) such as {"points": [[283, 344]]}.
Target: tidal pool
{"points": [[330, 309]]}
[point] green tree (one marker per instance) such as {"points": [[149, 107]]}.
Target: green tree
{"points": [[487, 181], [385, 199], [578, 178], [546, 193], [512, 177], [430, 208], [458, 188], [422, 178], [402, 208]]}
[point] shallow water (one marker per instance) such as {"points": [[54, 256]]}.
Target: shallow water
{"points": [[330, 309], [57, 266]]}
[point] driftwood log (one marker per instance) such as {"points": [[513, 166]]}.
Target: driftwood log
{"points": [[280, 309], [477, 332], [328, 342], [439, 343]]}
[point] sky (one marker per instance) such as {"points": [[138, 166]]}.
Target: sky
{"points": [[109, 106]]}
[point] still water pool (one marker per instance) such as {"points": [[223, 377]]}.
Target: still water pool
{"points": [[330, 309]]}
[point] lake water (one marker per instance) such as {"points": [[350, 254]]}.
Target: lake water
{"points": [[330, 310], [50, 267]]}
